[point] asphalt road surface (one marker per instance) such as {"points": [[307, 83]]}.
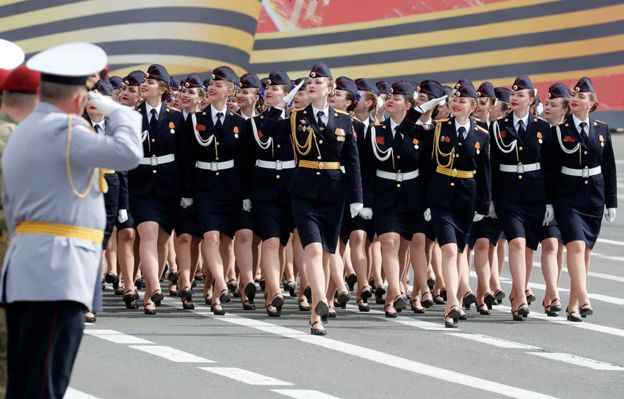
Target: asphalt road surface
{"points": [[193, 354]]}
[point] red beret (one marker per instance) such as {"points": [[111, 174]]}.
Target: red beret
{"points": [[22, 80], [3, 74]]}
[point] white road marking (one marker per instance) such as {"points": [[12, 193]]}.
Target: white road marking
{"points": [[611, 242], [562, 320], [72, 393], [116, 336], [303, 394], [604, 276], [172, 354], [415, 367], [498, 342], [245, 376], [578, 361]]}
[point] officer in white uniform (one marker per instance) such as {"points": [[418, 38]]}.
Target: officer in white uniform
{"points": [[53, 184]]}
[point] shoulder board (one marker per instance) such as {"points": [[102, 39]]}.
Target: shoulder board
{"points": [[378, 124], [601, 122], [341, 112], [440, 120], [539, 118], [482, 129], [356, 119]]}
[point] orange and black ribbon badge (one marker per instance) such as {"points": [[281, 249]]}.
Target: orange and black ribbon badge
{"points": [[171, 127], [381, 140], [569, 139], [478, 147], [415, 142], [235, 130], [200, 128], [503, 134], [539, 137], [601, 139]]}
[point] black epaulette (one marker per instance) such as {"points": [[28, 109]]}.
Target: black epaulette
{"points": [[601, 122]]}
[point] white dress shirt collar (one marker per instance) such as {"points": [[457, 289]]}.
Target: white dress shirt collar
{"points": [[466, 126], [325, 116], [214, 112], [149, 108], [577, 124], [524, 120]]}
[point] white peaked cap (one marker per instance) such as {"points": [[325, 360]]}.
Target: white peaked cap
{"points": [[11, 55], [70, 63]]}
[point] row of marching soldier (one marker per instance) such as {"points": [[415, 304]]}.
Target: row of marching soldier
{"points": [[399, 174]]}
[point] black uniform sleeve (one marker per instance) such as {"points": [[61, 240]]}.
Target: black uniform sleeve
{"points": [[244, 158], [609, 172], [273, 125], [351, 161], [408, 126], [367, 167], [123, 190], [484, 178], [188, 159]]}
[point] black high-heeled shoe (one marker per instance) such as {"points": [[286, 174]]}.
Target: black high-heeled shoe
{"points": [[322, 309], [308, 293], [529, 296], [431, 283], [173, 277], [291, 288], [272, 313], [332, 313], [439, 300], [217, 309], [250, 292], [343, 299], [306, 307], [130, 299], [379, 293], [427, 303], [520, 313], [572, 317], [548, 309], [247, 305], [149, 309], [224, 296], [351, 279], [187, 299], [586, 310], [157, 297], [232, 285], [453, 315], [499, 295], [278, 301], [390, 315], [416, 309], [317, 331], [362, 305], [468, 299], [366, 293], [555, 305], [399, 302], [489, 300], [483, 309]]}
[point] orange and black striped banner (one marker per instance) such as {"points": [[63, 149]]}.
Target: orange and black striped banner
{"points": [[549, 40]]}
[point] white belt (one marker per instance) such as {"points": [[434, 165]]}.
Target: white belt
{"points": [[155, 161], [277, 165], [215, 166], [398, 176], [585, 172], [521, 168]]}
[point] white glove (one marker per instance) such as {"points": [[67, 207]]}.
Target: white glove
{"points": [[492, 212], [380, 103], [477, 217], [610, 215], [549, 215], [247, 205], [122, 215], [103, 103], [430, 104], [186, 202], [427, 215], [366, 213], [355, 208], [291, 96]]}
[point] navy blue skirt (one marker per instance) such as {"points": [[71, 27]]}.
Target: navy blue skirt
{"points": [[451, 226], [350, 225], [186, 222], [245, 220], [579, 223], [147, 208], [522, 220], [318, 221], [485, 228], [217, 215], [391, 220], [551, 231], [111, 203], [273, 219]]}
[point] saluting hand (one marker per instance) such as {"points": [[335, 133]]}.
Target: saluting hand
{"points": [[103, 103], [430, 104]]}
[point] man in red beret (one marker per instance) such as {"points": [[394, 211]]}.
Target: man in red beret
{"points": [[19, 97]]}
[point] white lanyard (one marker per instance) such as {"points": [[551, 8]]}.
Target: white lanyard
{"points": [[200, 140]]}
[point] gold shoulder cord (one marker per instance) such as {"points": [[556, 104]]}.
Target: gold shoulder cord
{"points": [[437, 152], [68, 165], [304, 149]]}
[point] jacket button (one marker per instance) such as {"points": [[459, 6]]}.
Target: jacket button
{"points": [[398, 184], [154, 140], [279, 146], [319, 157], [277, 177], [216, 173], [154, 171], [519, 177], [452, 184], [520, 148], [398, 157], [585, 152], [456, 155], [318, 173], [586, 181], [320, 141]]}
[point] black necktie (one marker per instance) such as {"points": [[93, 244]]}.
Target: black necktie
{"points": [[460, 134], [97, 128], [153, 121], [521, 130], [319, 119], [219, 124], [583, 132]]}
